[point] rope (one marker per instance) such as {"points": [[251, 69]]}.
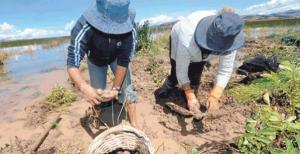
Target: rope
{"points": [[125, 100], [121, 112], [112, 113]]}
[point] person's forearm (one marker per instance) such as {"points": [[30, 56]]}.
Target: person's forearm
{"points": [[74, 73], [225, 70], [189, 92], [119, 76]]}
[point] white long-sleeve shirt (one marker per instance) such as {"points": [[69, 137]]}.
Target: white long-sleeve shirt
{"points": [[185, 50]]}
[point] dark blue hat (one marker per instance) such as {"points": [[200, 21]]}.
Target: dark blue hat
{"points": [[220, 33], [111, 16]]}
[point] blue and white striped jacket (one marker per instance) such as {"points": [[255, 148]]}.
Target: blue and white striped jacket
{"points": [[100, 48]]}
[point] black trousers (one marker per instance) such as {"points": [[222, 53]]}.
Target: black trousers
{"points": [[194, 72]]}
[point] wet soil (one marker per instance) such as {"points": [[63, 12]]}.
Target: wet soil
{"points": [[25, 115]]}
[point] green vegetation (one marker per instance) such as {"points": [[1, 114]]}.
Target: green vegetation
{"points": [[274, 128], [144, 37], [152, 41], [194, 151], [273, 23], [156, 70], [271, 132], [161, 43], [286, 53], [46, 42], [268, 48], [60, 97], [152, 46], [291, 38], [286, 81]]}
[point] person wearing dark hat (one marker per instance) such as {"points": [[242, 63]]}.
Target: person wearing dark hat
{"points": [[195, 40], [105, 34]]}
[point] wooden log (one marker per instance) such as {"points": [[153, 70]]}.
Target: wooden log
{"points": [[44, 135], [199, 115], [184, 112], [178, 109]]}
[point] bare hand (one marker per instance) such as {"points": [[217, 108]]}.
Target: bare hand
{"points": [[193, 105], [108, 95], [212, 103], [90, 94]]}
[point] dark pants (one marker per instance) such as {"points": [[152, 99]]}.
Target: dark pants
{"points": [[194, 73]]}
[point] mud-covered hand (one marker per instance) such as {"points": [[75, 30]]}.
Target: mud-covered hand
{"points": [[213, 99], [192, 101], [108, 95], [90, 94]]}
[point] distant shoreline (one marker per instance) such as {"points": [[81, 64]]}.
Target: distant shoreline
{"points": [[36, 41], [250, 23]]}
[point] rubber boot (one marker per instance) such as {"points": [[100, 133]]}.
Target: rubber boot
{"points": [[163, 91], [195, 88]]}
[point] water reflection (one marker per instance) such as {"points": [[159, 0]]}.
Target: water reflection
{"points": [[42, 60]]}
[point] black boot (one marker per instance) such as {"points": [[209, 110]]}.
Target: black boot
{"points": [[164, 90], [195, 88]]}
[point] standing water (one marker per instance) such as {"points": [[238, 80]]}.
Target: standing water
{"points": [[23, 64]]}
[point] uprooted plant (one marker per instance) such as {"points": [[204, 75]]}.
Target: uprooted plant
{"points": [[60, 97]]}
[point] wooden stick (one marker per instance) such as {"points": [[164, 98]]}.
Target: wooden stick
{"points": [[45, 134], [18, 143]]}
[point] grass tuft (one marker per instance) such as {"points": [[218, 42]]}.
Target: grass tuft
{"points": [[60, 97]]}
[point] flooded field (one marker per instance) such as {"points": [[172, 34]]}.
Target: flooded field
{"points": [[29, 71], [40, 60]]}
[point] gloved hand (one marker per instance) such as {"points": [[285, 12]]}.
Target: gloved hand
{"points": [[213, 99], [192, 101], [108, 95]]}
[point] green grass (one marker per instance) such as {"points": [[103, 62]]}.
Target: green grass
{"points": [[154, 67], [273, 83], [45, 41], [273, 46], [161, 43], [273, 23]]}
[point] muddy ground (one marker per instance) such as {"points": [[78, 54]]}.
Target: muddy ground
{"points": [[25, 116]]}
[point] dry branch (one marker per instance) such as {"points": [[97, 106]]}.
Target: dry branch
{"points": [[45, 134]]}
